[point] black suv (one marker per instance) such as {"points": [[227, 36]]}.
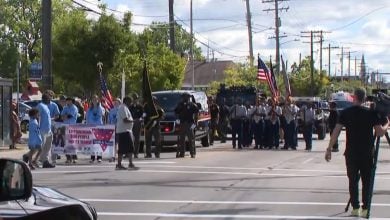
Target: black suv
{"points": [[168, 100], [321, 115]]}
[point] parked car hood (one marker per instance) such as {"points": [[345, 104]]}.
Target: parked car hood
{"points": [[42, 198]]}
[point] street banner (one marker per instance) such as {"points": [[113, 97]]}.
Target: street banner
{"points": [[84, 139]]}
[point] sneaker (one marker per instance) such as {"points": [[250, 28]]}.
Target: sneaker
{"points": [[355, 212], [364, 213], [35, 164], [31, 167], [157, 155], [25, 158], [192, 155], [46, 164], [120, 167], [74, 161], [99, 160], [132, 167]]}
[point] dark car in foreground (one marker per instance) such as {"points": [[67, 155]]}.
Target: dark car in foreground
{"points": [[20, 200]]}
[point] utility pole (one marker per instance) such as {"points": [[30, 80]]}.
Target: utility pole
{"points": [[311, 57], [329, 49], [311, 65], [278, 23], [249, 23], [321, 40], [171, 27], [191, 48], [342, 61], [47, 75]]}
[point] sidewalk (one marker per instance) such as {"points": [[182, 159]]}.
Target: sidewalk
{"points": [[17, 153]]}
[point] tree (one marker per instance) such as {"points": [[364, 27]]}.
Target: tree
{"points": [[300, 80], [158, 33]]}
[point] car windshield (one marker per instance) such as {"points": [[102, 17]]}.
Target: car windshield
{"points": [[168, 101]]}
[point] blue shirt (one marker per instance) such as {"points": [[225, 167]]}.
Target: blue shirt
{"points": [[44, 118], [34, 136], [112, 116], [54, 110], [70, 111], [95, 115]]}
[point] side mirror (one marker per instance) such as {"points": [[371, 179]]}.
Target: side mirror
{"points": [[15, 180]]}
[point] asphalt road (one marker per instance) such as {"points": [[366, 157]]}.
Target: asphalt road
{"points": [[222, 183]]}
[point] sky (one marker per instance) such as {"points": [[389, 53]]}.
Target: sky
{"points": [[360, 27]]}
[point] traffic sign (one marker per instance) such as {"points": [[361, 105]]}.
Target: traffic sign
{"points": [[35, 71]]}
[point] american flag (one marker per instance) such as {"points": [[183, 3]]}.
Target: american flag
{"points": [[262, 70], [266, 75], [106, 95]]}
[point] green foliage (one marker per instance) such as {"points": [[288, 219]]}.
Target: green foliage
{"points": [[239, 74], [300, 80]]}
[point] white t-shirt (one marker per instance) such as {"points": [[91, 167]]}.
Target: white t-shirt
{"points": [[121, 126]]}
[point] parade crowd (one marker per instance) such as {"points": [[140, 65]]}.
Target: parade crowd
{"points": [[267, 125]]}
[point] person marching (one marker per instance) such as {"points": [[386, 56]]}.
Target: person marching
{"points": [[34, 139], [237, 113], [124, 130], [214, 114], [290, 111], [223, 120], [256, 115], [359, 122], [94, 116], [154, 131], [69, 116], [308, 116], [273, 124], [137, 111], [112, 119], [187, 112]]}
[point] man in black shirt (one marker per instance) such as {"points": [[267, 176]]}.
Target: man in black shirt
{"points": [[332, 120], [214, 114], [223, 121], [137, 111], [154, 131], [359, 123], [187, 112]]}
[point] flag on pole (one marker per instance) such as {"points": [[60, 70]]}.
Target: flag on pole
{"points": [[149, 107], [285, 78], [107, 101], [261, 70], [272, 79], [264, 74]]}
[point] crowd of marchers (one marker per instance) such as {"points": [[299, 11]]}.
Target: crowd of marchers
{"points": [[266, 125]]}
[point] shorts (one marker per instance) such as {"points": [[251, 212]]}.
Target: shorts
{"points": [[125, 143]]}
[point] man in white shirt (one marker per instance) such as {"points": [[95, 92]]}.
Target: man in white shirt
{"points": [[308, 116], [124, 126], [237, 113], [290, 111], [256, 115]]}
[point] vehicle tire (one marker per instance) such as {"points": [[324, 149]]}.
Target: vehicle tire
{"points": [[321, 131], [24, 126], [205, 141]]}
